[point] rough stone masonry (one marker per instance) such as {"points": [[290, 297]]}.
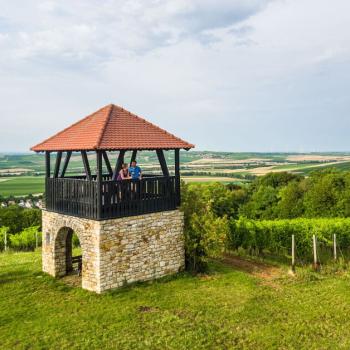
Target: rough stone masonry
{"points": [[116, 251]]}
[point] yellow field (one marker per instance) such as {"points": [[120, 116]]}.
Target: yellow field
{"points": [[209, 179]]}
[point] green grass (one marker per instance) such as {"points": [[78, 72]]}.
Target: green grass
{"points": [[341, 166], [34, 162], [21, 185], [228, 309]]}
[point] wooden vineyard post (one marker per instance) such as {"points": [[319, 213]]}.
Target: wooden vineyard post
{"points": [[36, 239], [293, 253], [316, 263], [335, 247], [5, 240]]}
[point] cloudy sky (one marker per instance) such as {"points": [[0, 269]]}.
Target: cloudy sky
{"points": [[227, 75]]}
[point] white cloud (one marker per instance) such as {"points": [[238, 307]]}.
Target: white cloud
{"points": [[234, 75], [83, 30]]}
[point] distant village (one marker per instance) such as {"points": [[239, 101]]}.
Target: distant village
{"points": [[28, 202]]}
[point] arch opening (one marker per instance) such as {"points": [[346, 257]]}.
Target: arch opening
{"points": [[68, 253]]}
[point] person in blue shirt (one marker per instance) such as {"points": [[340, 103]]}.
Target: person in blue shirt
{"points": [[135, 171]]}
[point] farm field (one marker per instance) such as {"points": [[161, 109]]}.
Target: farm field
{"points": [[239, 304], [26, 170], [21, 185], [25, 185], [205, 179]]}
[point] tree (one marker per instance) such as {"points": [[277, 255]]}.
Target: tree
{"points": [[277, 180], [205, 232], [262, 203], [223, 200], [17, 218], [291, 202], [325, 193]]}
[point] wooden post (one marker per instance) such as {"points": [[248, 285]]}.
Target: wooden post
{"points": [[36, 239], [162, 162], [65, 164], [47, 162], [5, 240], [86, 165], [133, 156], [99, 184], [177, 177], [293, 253], [314, 243], [335, 247], [58, 164], [108, 164], [119, 163]]}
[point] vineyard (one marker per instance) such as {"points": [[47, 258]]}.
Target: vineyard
{"points": [[274, 238]]}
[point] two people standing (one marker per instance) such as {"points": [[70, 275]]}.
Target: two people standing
{"points": [[133, 172], [128, 190]]}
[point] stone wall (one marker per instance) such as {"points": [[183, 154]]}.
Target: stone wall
{"points": [[117, 251], [55, 230], [141, 248]]}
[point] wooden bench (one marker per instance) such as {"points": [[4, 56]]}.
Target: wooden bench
{"points": [[78, 261]]}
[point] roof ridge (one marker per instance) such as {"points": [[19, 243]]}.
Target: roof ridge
{"points": [[104, 125], [67, 128]]}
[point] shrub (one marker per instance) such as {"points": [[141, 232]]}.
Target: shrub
{"points": [[26, 240], [75, 240], [205, 232], [17, 218]]}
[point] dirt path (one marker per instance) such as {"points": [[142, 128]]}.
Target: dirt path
{"points": [[268, 274], [72, 280]]}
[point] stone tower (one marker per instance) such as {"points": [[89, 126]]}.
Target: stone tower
{"points": [[129, 230]]}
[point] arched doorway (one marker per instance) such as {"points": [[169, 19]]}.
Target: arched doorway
{"points": [[68, 254]]}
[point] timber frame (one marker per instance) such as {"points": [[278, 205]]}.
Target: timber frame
{"points": [[99, 196]]}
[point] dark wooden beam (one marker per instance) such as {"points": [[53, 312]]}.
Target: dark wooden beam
{"points": [[58, 164], [162, 162], [133, 156], [86, 164], [107, 162], [47, 164], [177, 177], [119, 163], [65, 164], [99, 183]]}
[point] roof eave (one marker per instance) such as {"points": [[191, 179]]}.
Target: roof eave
{"points": [[92, 149]]}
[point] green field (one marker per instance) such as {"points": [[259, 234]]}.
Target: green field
{"points": [[197, 166], [227, 309], [21, 185]]}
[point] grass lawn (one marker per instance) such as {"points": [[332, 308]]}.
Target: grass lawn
{"points": [[227, 309], [21, 185]]}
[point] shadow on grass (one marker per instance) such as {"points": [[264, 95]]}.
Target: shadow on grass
{"points": [[147, 284], [11, 277]]}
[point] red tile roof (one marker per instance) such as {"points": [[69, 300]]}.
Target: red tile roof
{"points": [[111, 128]]}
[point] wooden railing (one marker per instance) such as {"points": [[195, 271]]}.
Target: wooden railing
{"points": [[72, 196], [81, 197], [130, 197]]}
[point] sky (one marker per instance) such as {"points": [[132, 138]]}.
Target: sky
{"points": [[226, 75]]}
